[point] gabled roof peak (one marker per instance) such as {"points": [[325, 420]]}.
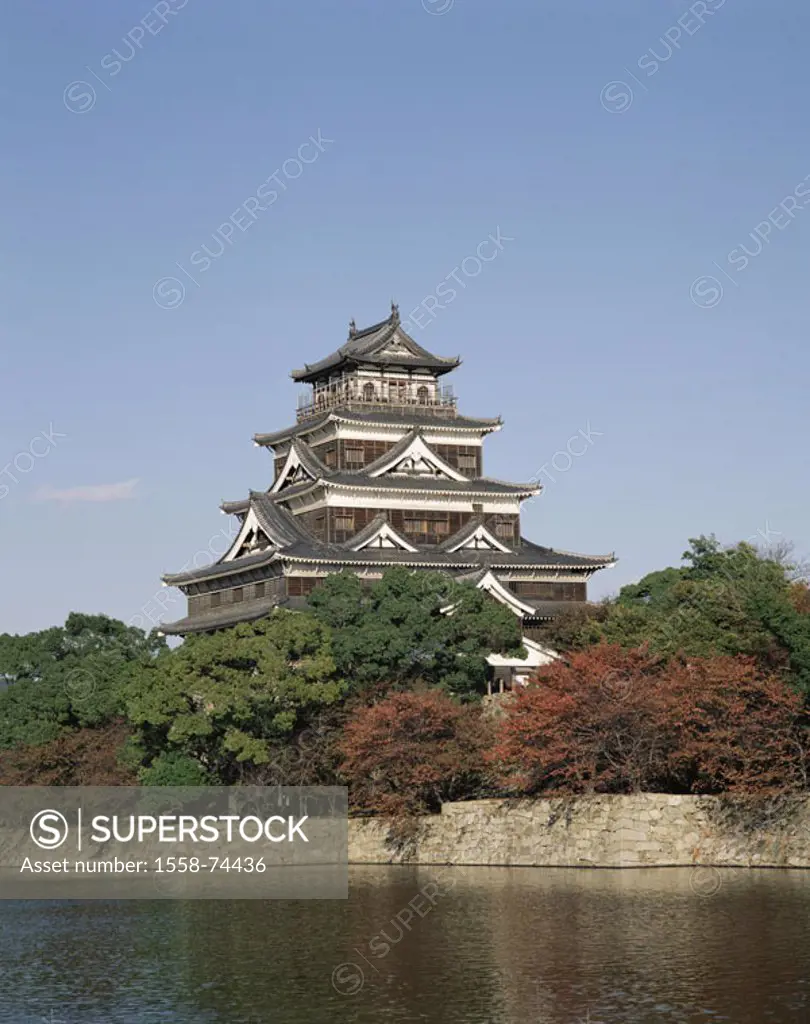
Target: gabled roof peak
{"points": [[392, 320], [413, 457], [379, 533], [301, 462], [475, 537], [372, 346]]}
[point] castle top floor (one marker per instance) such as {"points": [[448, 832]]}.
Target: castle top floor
{"points": [[378, 367], [374, 391]]}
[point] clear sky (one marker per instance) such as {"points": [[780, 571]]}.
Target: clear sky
{"points": [[626, 150]]}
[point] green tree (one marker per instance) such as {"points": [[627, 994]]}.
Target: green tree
{"points": [[69, 677], [411, 626], [577, 627], [229, 700], [723, 601], [173, 768]]}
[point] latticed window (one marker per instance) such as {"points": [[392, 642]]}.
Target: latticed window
{"points": [[423, 395], [238, 594], [344, 522], [368, 392], [504, 530], [467, 462], [416, 525], [258, 590], [216, 599], [355, 456]]}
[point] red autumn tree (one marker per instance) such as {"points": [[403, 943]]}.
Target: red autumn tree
{"points": [[586, 725], [734, 728], [408, 753], [85, 757], [618, 721]]}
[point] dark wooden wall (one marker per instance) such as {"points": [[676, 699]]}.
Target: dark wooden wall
{"points": [[345, 454], [425, 526], [548, 591], [301, 586], [199, 603]]}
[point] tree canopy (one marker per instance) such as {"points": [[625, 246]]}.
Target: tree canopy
{"points": [[414, 626], [722, 601], [693, 661], [69, 676], [227, 699], [611, 720]]}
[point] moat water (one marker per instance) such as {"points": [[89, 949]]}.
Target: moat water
{"points": [[478, 946]]}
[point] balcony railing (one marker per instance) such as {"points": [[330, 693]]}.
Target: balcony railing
{"points": [[385, 396]]}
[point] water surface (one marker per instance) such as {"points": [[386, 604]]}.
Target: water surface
{"points": [[478, 946]]}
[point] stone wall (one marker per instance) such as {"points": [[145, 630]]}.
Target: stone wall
{"points": [[645, 830]]}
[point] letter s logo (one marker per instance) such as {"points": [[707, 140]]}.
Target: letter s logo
{"points": [[49, 829]]}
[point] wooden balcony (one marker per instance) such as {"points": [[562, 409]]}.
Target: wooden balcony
{"points": [[353, 395]]}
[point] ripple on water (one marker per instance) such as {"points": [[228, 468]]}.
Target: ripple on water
{"points": [[476, 946]]}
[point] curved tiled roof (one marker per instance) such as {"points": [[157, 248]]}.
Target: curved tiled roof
{"points": [[220, 568], [292, 543], [407, 421], [368, 346], [277, 522], [235, 508], [481, 485], [230, 615], [459, 561], [308, 459]]}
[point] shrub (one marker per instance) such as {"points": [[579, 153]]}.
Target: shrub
{"points": [[616, 721], [411, 751], [736, 729], [585, 725], [86, 757], [174, 769]]}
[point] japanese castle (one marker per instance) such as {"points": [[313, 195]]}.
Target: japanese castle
{"points": [[380, 469]]}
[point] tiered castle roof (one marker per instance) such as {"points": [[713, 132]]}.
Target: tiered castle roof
{"points": [[378, 389]]}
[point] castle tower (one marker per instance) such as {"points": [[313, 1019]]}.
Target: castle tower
{"points": [[380, 469]]}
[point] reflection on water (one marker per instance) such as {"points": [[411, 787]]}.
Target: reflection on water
{"points": [[477, 946]]}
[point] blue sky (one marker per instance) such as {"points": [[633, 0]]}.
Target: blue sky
{"points": [[627, 151]]}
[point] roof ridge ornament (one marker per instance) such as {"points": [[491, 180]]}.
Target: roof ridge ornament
{"points": [[394, 312], [352, 328]]}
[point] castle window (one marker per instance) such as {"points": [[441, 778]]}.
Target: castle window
{"points": [[368, 392], [216, 599], [238, 594], [344, 522], [416, 525], [397, 391], [504, 530], [356, 456], [258, 590], [423, 395], [467, 462]]}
